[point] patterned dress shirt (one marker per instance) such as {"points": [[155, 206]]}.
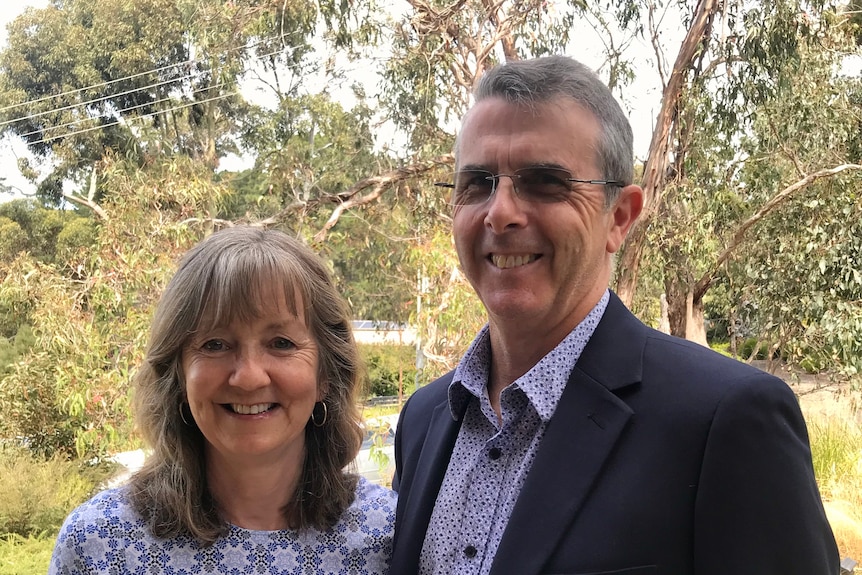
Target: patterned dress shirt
{"points": [[491, 460]]}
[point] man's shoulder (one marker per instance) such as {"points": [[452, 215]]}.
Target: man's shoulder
{"points": [[683, 353], [434, 393], [420, 407]]}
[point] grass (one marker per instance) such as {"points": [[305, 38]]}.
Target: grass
{"points": [[372, 411], [36, 495], [836, 451], [25, 555]]}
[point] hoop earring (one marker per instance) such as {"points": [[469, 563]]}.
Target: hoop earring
{"points": [[319, 421], [183, 415]]}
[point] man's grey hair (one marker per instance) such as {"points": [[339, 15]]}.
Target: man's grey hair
{"points": [[539, 80]]}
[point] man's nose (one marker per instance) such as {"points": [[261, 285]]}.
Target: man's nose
{"points": [[505, 207]]}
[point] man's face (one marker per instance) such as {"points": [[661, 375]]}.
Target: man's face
{"points": [[537, 266]]}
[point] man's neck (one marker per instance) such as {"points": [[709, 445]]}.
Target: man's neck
{"points": [[516, 348]]}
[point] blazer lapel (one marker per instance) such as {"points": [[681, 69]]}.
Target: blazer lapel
{"points": [[439, 442], [586, 425]]}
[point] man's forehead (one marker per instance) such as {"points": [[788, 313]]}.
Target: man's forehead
{"points": [[557, 132]]}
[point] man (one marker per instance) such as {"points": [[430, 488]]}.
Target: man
{"points": [[571, 438]]}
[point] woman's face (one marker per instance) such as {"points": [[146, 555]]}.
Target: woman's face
{"points": [[252, 384]]}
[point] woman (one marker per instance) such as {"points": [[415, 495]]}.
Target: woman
{"points": [[247, 399]]}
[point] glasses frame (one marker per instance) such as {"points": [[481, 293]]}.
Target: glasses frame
{"points": [[495, 180]]}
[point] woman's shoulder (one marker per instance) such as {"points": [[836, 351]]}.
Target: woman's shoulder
{"points": [[372, 510], [106, 507], [371, 495], [105, 522], [373, 505]]}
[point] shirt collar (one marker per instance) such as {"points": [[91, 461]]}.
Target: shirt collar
{"points": [[543, 383]]}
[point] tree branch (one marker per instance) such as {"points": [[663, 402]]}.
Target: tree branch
{"points": [[97, 209], [378, 184], [704, 282]]}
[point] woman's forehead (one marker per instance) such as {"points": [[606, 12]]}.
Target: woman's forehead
{"points": [[252, 299]]}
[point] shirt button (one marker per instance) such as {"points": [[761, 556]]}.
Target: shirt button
{"points": [[494, 453], [470, 551]]}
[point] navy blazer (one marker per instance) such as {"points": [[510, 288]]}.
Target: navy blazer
{"points": [[662, 457]]}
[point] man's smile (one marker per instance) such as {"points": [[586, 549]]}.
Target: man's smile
{"points": [[512, 261]]}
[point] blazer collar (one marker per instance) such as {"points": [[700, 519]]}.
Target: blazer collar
{"points": [[427, 479]]}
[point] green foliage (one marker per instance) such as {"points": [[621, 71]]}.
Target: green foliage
{"points": [[70, 392], [746, 349], [36, 495], [27, 226], [388, 367], [25, 555], [449, 314], [13, 348]]}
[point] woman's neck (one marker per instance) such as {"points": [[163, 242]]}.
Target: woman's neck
{"points": [[253, 496]]}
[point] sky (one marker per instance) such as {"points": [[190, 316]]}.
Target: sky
{"points": [[642, 101], [12, 149]]}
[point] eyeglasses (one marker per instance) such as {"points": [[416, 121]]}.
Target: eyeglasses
{"points": [[541, 185]]}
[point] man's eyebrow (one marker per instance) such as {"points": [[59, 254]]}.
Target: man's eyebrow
{"points": [[475, 167], [553, 165]]}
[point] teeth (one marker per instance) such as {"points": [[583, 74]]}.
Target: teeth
{"points": [[506, 262], [251, 409]]}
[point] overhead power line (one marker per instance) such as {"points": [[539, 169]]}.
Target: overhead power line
{"points": [[185, 63], [133, 119], [104, 98], [117, 112]]}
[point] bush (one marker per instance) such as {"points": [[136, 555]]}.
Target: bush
{"points": [[37, 495], [387, 364], [836, 449], [746, 349]]}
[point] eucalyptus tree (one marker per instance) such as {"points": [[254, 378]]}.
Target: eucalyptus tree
{"points": [[748, 56], [80, 79], [152, 87], [437, 51], [772, 57]]}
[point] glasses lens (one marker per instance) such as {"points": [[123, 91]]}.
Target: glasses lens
{"points": [[543, 184], [472, 187]]}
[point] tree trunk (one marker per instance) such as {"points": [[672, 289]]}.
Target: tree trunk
{"points": [[656, 166], [695, 322], [685, 313]]}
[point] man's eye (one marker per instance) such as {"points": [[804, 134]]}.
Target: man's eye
{"points": [[474, 185], [542, 178], [282, 343]]}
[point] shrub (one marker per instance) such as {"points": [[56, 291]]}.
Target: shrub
{"points": [[37, 495], [836, 450], [746, 349], [387, 364]]}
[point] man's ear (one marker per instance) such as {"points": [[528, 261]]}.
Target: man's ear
{"points": [[624, 212]]}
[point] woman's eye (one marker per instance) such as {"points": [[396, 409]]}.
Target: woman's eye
{"points": [[282, 343], [213, 345]]}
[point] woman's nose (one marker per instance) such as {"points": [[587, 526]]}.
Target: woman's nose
{"points": [[250, 371]]}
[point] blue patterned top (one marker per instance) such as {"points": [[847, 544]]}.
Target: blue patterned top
{"points": [[105, 535]]}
